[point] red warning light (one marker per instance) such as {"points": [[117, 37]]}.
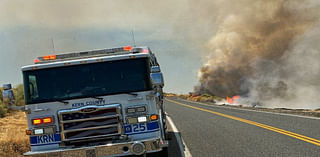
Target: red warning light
{"points": [[127, 48], [36, 60], [145, 51]]}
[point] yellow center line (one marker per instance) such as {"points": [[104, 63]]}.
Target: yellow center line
{"points": [[268, 127]]}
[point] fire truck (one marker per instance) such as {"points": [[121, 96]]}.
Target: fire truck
{"points": [[96, 103]]}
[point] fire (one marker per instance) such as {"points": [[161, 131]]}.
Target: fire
{"points": [[233, 99]]}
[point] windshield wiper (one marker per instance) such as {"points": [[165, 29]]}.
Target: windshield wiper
{"points": [[98, 98], [130, 93], [64, 102]]}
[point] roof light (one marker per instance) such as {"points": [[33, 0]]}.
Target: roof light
{"points": [[53, 57], [145, 51], [46, 57], [50, 57], [127, 48], [36, 61]]}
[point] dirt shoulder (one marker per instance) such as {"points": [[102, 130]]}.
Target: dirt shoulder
{"points": [[13, 139]]}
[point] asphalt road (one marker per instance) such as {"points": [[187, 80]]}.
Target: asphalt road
{"points": [[176, 146], [211, 130]]}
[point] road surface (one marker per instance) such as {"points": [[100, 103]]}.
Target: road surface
{"points": [[210, 130], [176, 146]]}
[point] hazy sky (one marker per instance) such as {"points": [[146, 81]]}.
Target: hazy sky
{"points": [[28, 27]]}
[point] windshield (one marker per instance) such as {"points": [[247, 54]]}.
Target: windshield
{"points": [[87, 80]]}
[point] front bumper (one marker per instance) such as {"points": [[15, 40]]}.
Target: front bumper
{"points": [[118, 149]]}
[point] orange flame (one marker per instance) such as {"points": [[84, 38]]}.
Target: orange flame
{"points": [[233, 99], [229, 100]]}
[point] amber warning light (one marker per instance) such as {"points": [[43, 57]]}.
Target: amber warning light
{"points": [[45, 58], [51, 57], [38, 121], [115, 51]]}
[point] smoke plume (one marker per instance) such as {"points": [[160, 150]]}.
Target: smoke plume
{"points": [[267, 51], [264, 50]]}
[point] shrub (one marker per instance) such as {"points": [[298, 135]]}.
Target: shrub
{"points": [[19, 95], [183, 96], [1, 99], [3, 109], [206, 99], [216, 98], [206, 95]]}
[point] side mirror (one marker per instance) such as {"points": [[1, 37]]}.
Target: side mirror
{"points": [[155, 69], [7, 94], [157, 79]]}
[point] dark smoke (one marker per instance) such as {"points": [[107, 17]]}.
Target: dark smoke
{"points": [[263, 53]]}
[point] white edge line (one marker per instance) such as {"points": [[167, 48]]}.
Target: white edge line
{"points": [[282, 114], [182, 145]]}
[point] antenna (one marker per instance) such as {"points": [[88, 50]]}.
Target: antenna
{"points": [[134, 41], [52, 45]]}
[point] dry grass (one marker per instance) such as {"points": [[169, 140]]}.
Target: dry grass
{"points": [[200, 98], [13, 140], [212, 99]]}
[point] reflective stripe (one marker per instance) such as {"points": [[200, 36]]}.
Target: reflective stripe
{"points": [[143, 132]]}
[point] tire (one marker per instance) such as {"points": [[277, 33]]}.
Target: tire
{"points": [[163, 153]]}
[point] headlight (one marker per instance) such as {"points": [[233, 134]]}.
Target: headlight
{"points": [[141, 109], [131, 110], [136, 109], [132, 120]]}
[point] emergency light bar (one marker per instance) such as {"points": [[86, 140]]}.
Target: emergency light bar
{"points": [[112, 51]]}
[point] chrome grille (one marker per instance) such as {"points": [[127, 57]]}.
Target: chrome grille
{"points": [[90, 122]]}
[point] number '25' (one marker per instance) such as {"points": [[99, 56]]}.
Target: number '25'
{"points": [[139, 127]]}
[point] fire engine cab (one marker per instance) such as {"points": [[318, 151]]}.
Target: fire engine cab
{"points": [[96, 103]]}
